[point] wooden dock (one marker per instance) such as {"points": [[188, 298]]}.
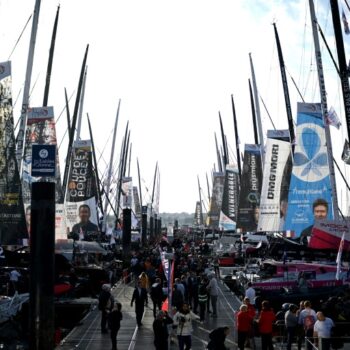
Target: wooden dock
{"points": [[87, 336]]}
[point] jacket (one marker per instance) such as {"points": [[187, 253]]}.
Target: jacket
{"points": [[184, 322]]}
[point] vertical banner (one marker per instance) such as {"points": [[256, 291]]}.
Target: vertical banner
{"points": [[249, 197], [310, 176], [127, 192], [198, 215], [229, 208], [137, 204], [216, 200], [41, 130], [274, 193], [13, 230], [81, 196]]}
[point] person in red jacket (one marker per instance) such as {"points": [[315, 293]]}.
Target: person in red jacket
{"points": [[251, 311], [266, 320], [244, 324]]}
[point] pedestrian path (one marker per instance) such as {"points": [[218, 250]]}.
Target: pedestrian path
{"points": [[88, 335]]}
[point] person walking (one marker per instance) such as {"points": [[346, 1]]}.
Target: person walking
{"points": [[114, 318], [217, 338], [202, 300], [193, 286], [307, 319], [160, 329], [213, 290], [143, 278], [266, 320], [250, 293], [244, 324], [105, 305], [140, 298], [291, 324], [322, 331], [252, 313], [157, 296], [183, 320]]}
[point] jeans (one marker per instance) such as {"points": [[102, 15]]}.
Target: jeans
{"points": [[214, 300], [156, 303], [325, 343], [242, 336], [184, 340], [103, 320], [309, 333], [114, 333], [202, 311], [266, 341], [290, 336]]}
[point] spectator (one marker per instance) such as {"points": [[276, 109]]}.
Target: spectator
{"points": [[266, 320], [202, 300], [140, 298], [291, 324], [177, 299], [244, 324], [114, 318], [307, 319], [160, 329], [193, 291], [180, 287], [213, 290], [105, 305], [144, 280], [322, 330], [251, 312], [157, 296], [250, 293], [217, 338]]}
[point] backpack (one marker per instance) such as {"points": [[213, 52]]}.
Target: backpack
{"points": [[309, 321]]}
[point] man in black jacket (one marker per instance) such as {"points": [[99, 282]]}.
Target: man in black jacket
{"points": [[217, 338], [160, 329], [140, 298], [157, 296]]}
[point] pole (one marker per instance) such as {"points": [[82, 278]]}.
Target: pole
{"points": [[200, 201], [238, 154], [81, 106], [225, 151], [130, 153], [110, 168], [256, 138], [26, 89], [208, 188], [343, 69], [50, 62], [285, 86], [218, 154], [68, 113], [42, 261], [323, 95]]}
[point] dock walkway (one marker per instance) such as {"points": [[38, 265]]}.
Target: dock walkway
{"points": [[87, 336]]}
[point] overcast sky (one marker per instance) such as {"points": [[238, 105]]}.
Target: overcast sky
{"points": [[174, 64]]}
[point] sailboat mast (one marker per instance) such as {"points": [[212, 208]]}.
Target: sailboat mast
{"points": [[74, 122], [110, 168], [343, 69], [200, 201], [126, 154], [256, 138], [323, 95], [139, 176], [238, 155], [81, 106], [68, 113], [26, 89], [218, 154], [130, 154], [285, 86], [225, 151], [208, 188], [257, 104], [50, 62]]}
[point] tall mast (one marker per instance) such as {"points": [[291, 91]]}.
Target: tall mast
{"points": [[208, 188], [218, 154], [81, 106], [130, 153], [98, 183], [238, 155], [200, 201], [225, 151], [74, 122], [26, 89], [68, 112], [256, 138], [110, 168], [285, 87], [344, 77], [323, 95], [257, 105], [126, 154], [50, 62], [154, 184], [139, 176]]}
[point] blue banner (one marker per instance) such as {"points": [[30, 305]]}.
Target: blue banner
{"points": [[310, 179]]}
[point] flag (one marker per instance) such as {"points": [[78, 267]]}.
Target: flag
{"points": [[340, 251], [332, 118], [346, 24]]}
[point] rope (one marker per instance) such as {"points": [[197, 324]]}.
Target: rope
{"points": [[19, 38]]}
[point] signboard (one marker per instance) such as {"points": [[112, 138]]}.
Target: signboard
{"points": [[44, 160]]}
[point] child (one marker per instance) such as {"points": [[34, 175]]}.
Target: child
{"points": [[114, 318]]}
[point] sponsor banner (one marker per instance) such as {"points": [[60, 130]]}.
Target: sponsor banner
{"points": [[81, 196], [310, 178], [137, 203], [40, 130], [346, 153], [216, 199], [251, 182], [13, 230], [327, 234], [229, 208], [127, 192], [274, 193], [282, 135], [198, 216]]}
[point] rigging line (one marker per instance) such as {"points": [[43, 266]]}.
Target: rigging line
{"points": [[36, 80], [20, 36], [64, 108], [347, 5], [267, 111], [295, 85], [302, 58], [104, 147]]}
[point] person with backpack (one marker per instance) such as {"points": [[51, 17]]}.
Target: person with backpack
{"points": [[307, 319], [157, 296], [266, 320], [105, 304], [217, 338], [114, 318]]}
